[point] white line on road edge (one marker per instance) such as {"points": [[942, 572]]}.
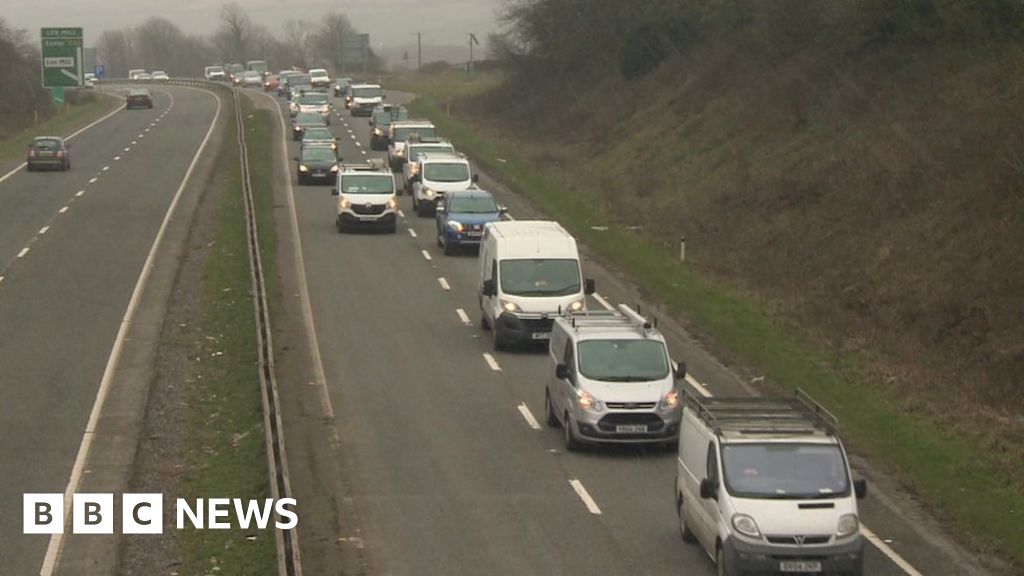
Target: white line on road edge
{"points": [[700, 387], [62, 210], [585, 496], [463, 316], [56, 544], [72, 135], [411, 232], [43, 230], [602, 301], [896, 558], [444, 283], [23, 252], [426, 255], [492, 362], [528, 416]]}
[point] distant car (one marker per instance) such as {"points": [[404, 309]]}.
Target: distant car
{"points": [[319, 136], [341, 86], [133, 74], [319, 78], [313, 102], [299, 83], [271, 82], [305, 120], [414, 150], [143, 77], [380, 122], [399, 132], [363, 98], [283, 78], [214, 73], [138, 98], [461, 217], [439, 174], [49, 152], [316, 164], [235, 72], [251, 78], [160, 76], [89, 80]]}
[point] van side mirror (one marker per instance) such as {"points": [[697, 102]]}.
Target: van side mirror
{"points": [[708, 489], [562, 372], [589, 286], [489, 289], [680, 371], [502, 209], [860, 488], [475, 178], [334, 192]]}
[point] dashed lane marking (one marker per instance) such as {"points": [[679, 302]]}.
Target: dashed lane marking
{"points": [[602, 302], [463, 316], [444, 283], [23, 252], [492, 362], [528, 416], [43, 230], [426, 255], [581, 491], [411, 232], [62, 210], [80, 192]]}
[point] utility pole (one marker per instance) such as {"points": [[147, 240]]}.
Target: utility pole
{"points": [[419, 51], [472, 40]]}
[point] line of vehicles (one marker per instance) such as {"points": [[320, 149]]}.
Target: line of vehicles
{"points": [[762, 484]]}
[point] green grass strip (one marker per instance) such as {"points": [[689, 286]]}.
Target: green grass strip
{"points": [[954, 473]]}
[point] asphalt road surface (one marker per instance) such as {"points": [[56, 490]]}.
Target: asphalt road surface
{"points": [[444, 458], [72, 246]]}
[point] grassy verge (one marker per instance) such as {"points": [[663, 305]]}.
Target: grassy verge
{"points": [[225, 451], [956, 475], [65, 122]]}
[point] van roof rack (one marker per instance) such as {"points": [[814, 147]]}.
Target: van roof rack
{"points": [[797, 415], [625, 317], [371, 165]]}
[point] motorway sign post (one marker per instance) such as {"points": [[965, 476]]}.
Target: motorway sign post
{"points": [[62, 57], [100, 71]]}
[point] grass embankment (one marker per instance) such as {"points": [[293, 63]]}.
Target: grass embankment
{"points": [[956, 475], [225, 451], [66, 121]]}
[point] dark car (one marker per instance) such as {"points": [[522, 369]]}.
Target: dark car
{"points": [[49, 152], [461, 218], [316, 164], [305, 120], [316, 136], [381, 120], [298, 83], [282, 85], [138, 98]]}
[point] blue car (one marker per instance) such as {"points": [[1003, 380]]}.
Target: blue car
{"points": [[461, 217]]}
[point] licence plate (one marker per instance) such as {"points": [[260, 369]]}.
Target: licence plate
{"points": [[541, 335], [800, 566], [631, 429], [315, 175]]}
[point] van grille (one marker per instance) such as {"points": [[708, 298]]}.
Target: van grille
{"points": [[370, 210], [652, 421], [815, 540], [631, 405]]}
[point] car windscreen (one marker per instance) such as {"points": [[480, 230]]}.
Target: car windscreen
{"points": [[785, 471], [415, 151], [309, 118], [251, 74], [214, 69], [446, 172], [298, 80], [315, 99], [473, 205], [318, 154], [367, 184], [623, 360], [366, 92], [48, 144], [402, 133], [318, 134], [540, 277]]}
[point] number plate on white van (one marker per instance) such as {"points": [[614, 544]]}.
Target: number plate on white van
{"points": [[542, 335], [631, 429], [800, 566]]}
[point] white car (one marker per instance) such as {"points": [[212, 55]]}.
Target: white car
{"points": [[437, 174], [413, 151], [366, 197], [160, 76], [252, 78], [364, 98], [319, 78], [214, 73], [399, 132]]}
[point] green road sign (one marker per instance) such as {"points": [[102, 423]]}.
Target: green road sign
{"points": [[58, 95], [62, 57]]}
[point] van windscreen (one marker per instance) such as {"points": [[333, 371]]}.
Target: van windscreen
{"points": [[785, 470], [540, 277], [623, 360]]}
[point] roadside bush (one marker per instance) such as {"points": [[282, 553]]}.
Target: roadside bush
{"points": [[20, 93]]}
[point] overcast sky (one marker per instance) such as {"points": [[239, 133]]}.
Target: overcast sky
{"points": [[391, 22]]}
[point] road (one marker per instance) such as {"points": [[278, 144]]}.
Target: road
{"points": [[440, 455], [72, 247]]}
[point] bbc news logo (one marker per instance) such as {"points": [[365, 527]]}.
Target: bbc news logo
{"points": [[144, 513]]}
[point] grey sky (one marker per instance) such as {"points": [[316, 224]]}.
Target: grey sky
{"points": [[391, 22]]}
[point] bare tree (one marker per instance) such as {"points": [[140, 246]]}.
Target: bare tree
{"points": [[296, 42], [160, 45], [326, 42], [114, 49], [22, 90], [234, 35]]}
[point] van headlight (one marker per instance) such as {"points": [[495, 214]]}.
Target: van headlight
{"points": [[456, 225], [344, 204], [576, 306], [334, 168], [745, 525], [670, 401], [847, 526], [303, 168], [392, 203], [377, 132], [428, 192], [588, 402], [508, 306]]}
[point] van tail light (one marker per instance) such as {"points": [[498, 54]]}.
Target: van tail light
{"points": [[31, 153], [60, 153]]}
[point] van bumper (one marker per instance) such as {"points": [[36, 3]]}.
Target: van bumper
{"points": [[524, 330], [603, 427], [745, 559]]}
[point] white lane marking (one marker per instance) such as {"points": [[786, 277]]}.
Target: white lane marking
{"points": [[80, 192], [426, 255], [43, 230], [411, 232], [134, 142], [401, 214], [508, 216], [349, 130], [357, 143], [463, 316], [528, 416], [117, 157], [353, 136], [126, 148], [444, 283], [105, 168], [91, 181], [23, 252], [602, 302], [1, 279], [492, 362], [62, 210], [364, 152], [69, 137], [585, 496], [56, 544], [896, 558], [702, 389]]}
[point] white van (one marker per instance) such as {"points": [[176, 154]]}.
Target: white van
{"points": [[529, 273], [763, 484], [612, 380]]}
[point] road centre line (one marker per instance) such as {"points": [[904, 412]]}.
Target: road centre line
{"points": [[426, 255], [43, 230], [602, 301], [23, 252], [127, 148], [62, 210], [444, 283], [463, 316], [585, 496], [117, 157], [492, 362], [80, 192], [528, 416], [411, 232], [105, 168]]}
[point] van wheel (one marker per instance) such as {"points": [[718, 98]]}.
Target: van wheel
{"points": [[499, 339], [720, 561], [549, 411], [684, 530], [571, 443]]}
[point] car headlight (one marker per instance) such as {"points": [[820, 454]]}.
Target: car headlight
{"points": [[414, 170], [377, 132], [848, 525], [334, 168], [588, 402], [577, 306], [428, 192], [392, 203], [303, 168], [334, 145], [297, 128], [344, 204], [670, 401], [745, 525], [455, 225], [510, 306]]}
